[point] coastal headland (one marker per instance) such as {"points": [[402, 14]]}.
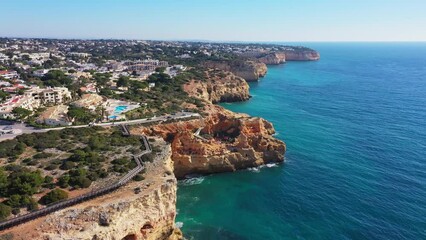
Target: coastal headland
{"points": [[217, 141]]}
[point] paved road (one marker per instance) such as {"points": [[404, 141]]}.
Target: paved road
{"points": [[20, 128]]}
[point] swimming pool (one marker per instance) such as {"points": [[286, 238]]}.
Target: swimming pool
{"points": [[120, 109]]}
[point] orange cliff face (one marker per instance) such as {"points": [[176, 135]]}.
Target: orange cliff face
{"points": [[248, 70], [219, 86], [227, 142], [273, 58]]}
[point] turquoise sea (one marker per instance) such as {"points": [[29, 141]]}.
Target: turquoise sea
{"points": [[355, 127]]}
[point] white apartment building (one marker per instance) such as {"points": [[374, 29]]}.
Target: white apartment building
{"points": [[23, 101], [35, 98], [78, 54], [54, 95]]}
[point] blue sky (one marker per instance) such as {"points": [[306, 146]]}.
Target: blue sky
{"points": [[220, 20]]}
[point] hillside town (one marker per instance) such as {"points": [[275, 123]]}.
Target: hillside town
{"points": [[41, 80], [47, 82]]}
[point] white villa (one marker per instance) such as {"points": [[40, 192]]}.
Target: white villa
{"points": [[55, 116]]}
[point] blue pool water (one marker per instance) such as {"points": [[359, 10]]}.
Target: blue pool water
{"points": [[120, 109], [355, 127]]}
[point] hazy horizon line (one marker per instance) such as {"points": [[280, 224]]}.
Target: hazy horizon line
{"points": [[220, 41]]}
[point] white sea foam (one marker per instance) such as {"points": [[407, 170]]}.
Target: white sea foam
{"points": [[257, 169], [179, 224], [261, 166], [253, 169], [269, 165], [192, 181]]}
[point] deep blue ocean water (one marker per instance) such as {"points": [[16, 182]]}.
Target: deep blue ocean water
{"points": [[355, 128]]}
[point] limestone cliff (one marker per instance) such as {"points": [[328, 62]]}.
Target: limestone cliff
{"points": [[246, 69], [273, 58], [227, 142], [122, 214], [281, 55], [219, 86], [301, 55]]}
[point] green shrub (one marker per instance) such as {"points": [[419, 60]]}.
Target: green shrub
{"points": [[33, 163], [66, 147], [67, 165], [16, 211], [147, 158], [14, 201], [54, 196], [32, 205], [26, 160], [63, 181], [24, 182], [51, 167], [79, 178], [5, 211], [138, 177], [42, 155], [11, 148]]}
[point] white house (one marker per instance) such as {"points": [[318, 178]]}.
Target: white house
{"points": [[40, 72], [55, 116], [7, 74]]}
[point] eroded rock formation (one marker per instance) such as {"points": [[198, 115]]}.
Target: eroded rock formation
{"points": [[219, 86], [273, 58], [246, 69], [301, 55], [227, 142]]}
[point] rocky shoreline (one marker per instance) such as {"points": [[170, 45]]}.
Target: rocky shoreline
{"points": [[253, 66], [227, 141]]}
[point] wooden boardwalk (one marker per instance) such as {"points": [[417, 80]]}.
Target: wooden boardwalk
{"points": [[87, 196]]}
